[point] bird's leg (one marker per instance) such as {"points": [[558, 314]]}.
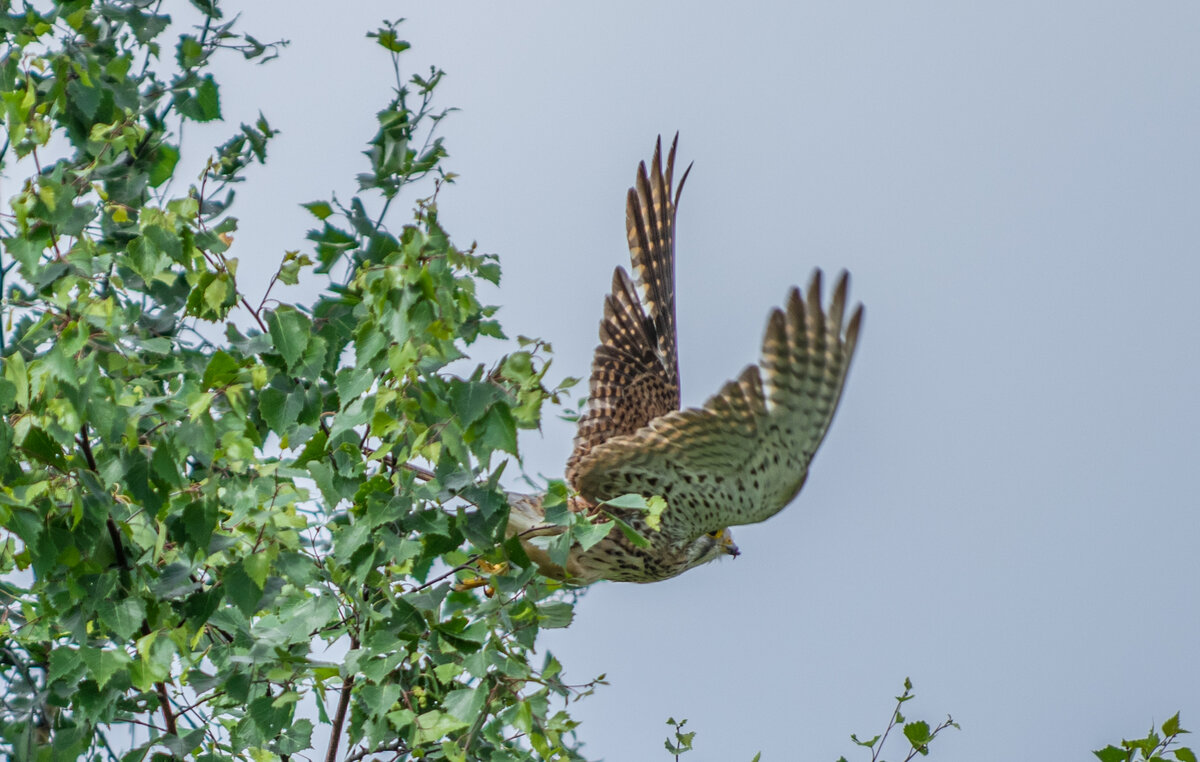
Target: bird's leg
{"points": [[481, 581]]}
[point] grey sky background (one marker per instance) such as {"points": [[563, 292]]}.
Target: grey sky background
{"points": [[1005, 508]]}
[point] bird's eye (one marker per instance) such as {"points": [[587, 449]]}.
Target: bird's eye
{"points": [[715, 534]]}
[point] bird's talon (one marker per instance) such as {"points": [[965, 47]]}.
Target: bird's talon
{"points": [[477, 582], [470, 584]]}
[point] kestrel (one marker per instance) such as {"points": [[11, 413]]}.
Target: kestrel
{"points": [[739, 459]]}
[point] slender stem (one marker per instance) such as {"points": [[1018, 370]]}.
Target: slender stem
{"points": [[257, 319], [423, 474], [53, 236], [891, 724], [3, 272], [271, 285], [114, 534], [467, 564], [398, 746], [165, 701], [479, 721], [339, 718]]}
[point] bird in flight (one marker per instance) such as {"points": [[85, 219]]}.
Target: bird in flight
{"points": [[739, 459]]}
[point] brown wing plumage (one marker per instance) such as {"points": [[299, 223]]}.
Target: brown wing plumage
{"points": [[635, 369], [744, 455]]}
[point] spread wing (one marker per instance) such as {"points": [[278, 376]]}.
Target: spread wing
{"points": [[744, 455], [635, 370]]}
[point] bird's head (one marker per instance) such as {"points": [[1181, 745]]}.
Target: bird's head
{"points": [[711, 546]]}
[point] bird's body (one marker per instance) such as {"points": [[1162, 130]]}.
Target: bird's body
{"points": [[739, 459], [616, 557]]}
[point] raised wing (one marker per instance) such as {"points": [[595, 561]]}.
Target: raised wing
{"points": [[744, 455], [635, 370]]}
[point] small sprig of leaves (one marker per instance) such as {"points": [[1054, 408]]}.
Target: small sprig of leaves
{"points": [[917, 732], [683, 741], [652, 507], [1152, 748], [579, 528]]}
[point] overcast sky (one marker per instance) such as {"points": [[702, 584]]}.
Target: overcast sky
{"points": [[1006, 507]]}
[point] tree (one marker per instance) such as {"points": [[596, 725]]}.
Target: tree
{"points": [[207, 515]]}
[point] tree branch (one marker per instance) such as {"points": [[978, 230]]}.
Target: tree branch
{"points": [[114, 534], [339, 717]]}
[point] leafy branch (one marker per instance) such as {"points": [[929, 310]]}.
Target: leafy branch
{"points": [[918, 733], [1151, 748]]}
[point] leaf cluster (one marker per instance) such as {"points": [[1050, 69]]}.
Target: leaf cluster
{"points": [[918, 733], [1154, 747], [200, 535]]}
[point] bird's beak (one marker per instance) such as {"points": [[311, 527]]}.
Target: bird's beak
{"points": [[729, 547]]}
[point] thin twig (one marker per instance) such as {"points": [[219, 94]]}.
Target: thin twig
{"points": [[398, 746], [532, 531], [339, 718], [423, 474], [119, 551], [53, 236]]}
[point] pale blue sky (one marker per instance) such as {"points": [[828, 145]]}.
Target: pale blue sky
{"points": [[1005, 509]]}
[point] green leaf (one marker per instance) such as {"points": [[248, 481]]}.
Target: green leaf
{"points": [[268, 715], [289, 270], [202, 104], [323, 475], [63, 663], [290, 331], [1184, 754], [1171, 726], [652, 506], [630, 500], [241, 589], [466, 703], [557, 514], [185, 744], [471, 399], [497, 431], [588, 534], [166, 158], [124, 618], [103, 665], [655, 506], [917, 734], [388, 39], [280, 410], [39, 444], [219, 294], [630, 533], [559, 549], [86, 99], [189, 52], [199, 520], [296, 738], [556, 614], [257, 565], [433, 725], [1111, 753], [319, 209], [16, 372], [222, 369]]}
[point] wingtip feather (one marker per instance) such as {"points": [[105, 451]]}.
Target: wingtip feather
{"points": [[837, 307], [856, 321]]}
